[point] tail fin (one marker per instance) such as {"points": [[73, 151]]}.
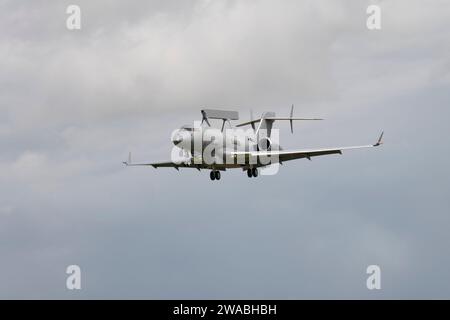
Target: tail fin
{"points": [[267, 119]]}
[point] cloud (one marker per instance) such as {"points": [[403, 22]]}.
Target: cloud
{"points": [[73, 104]]}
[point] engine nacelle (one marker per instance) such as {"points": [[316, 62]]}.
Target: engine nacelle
{"points": [[264, 144]]}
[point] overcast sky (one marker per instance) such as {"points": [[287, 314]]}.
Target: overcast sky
{"points": [[73, 103]]}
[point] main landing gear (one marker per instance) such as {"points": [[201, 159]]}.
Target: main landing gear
{"points": [[214, 175], [253, 172]]}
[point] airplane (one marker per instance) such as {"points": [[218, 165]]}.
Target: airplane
{"points": [[235, 148]]}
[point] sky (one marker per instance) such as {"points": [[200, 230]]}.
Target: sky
{"points": [[73, 103]]}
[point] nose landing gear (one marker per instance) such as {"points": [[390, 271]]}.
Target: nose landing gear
{"points": [[214, 175]]}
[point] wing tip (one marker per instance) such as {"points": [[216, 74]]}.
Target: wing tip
{"points": [[380, 140], [128, 161]]}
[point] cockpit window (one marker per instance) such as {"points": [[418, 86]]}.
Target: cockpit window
{"points": [[187, 128]]}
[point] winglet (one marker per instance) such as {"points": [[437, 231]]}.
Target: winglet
{"points": [[292, 115], [129, 160], [379, 142]]}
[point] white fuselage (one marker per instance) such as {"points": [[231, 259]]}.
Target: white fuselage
{"points": [[202, 143]]}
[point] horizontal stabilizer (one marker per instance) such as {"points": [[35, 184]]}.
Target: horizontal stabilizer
{"points": [[274, 119]]}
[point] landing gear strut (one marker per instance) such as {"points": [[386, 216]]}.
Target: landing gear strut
{"points": [[253, 172], [214, 175]]}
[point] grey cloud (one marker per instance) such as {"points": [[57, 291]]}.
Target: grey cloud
{"points": [[74, 103]]}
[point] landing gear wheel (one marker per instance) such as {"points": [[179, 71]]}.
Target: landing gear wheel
{"points": [[255, 172], [212, 176], [217, 175], [249, 173]]}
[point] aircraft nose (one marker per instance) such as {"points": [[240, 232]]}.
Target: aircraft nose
{"points": [[177, 139]]}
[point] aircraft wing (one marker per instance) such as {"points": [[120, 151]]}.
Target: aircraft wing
{"points": [[166, 165], [156, 165], [286, 155]]}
